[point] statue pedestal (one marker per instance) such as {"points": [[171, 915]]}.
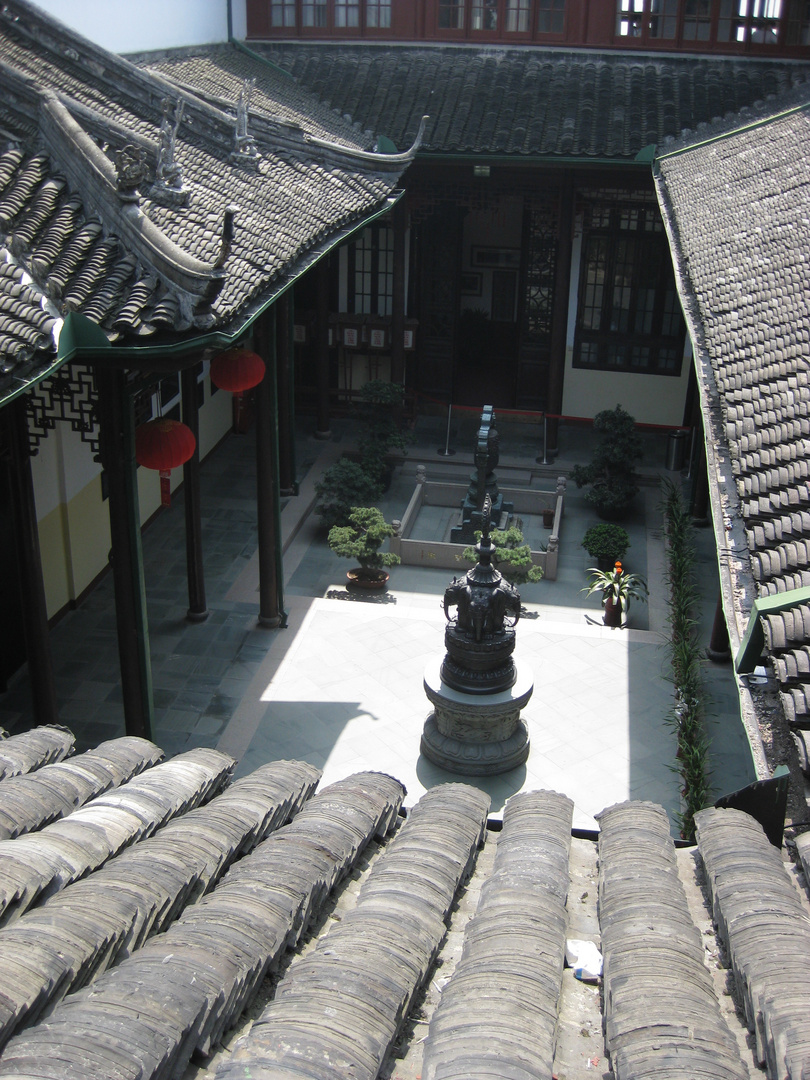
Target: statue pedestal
{"points": [[476, 734]]}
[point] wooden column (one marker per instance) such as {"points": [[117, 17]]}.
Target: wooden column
{"points": [[29, 562], [117, 446], [268, 504], [562, 287], [197, 608], [719, 650], [322, 421], [285, 382], [399, 217]]}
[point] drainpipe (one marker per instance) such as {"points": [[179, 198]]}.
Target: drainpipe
{"points": [[230, 20]]}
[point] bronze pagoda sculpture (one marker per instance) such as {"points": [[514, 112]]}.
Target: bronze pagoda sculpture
{"points": [[477, 691]]}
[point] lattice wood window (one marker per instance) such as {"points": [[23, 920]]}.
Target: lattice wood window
{"points": [[628, 314]]}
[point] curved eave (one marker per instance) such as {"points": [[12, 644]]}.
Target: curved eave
{"points": [[168, 355]]}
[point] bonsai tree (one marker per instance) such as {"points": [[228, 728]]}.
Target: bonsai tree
{"points": [[379, 414], [611, 473], [361, 540], [344, 485], [512, 555], [606, 543]]}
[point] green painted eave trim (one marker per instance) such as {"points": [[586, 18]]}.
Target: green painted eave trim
{"points": [[523, 159], [753, 641], [722, 136], [646, 154], [82, 334]]}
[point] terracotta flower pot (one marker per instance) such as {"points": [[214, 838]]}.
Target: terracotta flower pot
{"points": [[613, 612], [362, 578]]}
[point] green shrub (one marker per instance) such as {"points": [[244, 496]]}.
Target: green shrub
{"points": [[686, 656], [606, 541], [512, 555], [611, 474], [379, 415], [343, 486]]}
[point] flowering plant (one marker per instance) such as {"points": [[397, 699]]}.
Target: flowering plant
{"points": [[616, 585]]}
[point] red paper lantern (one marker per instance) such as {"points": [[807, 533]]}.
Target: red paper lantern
{"points": [[237, 370], [164, 445]]}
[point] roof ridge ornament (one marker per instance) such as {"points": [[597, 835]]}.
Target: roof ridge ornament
{"points": [[372, 155], [130, 171], [168, 188], [245, 151]]}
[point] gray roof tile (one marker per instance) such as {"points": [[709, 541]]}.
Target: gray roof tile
{"points": [[65, 225], [739, 207], [492, 99]]}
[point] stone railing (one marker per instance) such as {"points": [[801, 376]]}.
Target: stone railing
{"points": [[415, 552]]}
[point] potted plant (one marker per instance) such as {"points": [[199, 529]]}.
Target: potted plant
{"points": [[360, 539], [512, 555], [611, 474], [618, 588], [607, 543]]}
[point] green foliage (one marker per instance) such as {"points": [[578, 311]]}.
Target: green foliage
{"points": [[686, 656], [617, 585], [344, 485], [606, 541], [379, 413], [512, 555], [351, 483], [362, 538], [611, 474]]}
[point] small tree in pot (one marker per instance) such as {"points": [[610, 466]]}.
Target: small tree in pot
{"points": [[611, 474], [361, 540], [606, 543]]}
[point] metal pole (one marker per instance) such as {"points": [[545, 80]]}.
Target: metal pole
{"points": [[447, 452], [544, 459]]}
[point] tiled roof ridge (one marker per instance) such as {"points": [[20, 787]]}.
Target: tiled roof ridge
{"points": [[291, 137], [129, 84], [87, 167], [545, 53], [767, 111]]}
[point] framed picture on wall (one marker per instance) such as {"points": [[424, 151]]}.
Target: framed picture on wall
{"points": [[471, 284], [496, 258]]}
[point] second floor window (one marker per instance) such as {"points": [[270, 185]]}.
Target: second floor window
{"points": [[550, 16], [371, 271], [378, 14], [330, 14], [628, 316], [720, 22]]}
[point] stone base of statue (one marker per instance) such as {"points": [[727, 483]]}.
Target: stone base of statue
{"points": [[474, 734]]}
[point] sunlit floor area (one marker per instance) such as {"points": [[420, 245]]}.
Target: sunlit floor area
{"points": [[342, 685]]}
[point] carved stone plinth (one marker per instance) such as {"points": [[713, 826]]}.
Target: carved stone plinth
{"points": [[473, 734]]}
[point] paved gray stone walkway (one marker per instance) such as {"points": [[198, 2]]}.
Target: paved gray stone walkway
{"points": [[341, 686]]}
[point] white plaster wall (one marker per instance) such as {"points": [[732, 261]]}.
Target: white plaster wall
{"points": [[63, 467], [124, 27], [651, 399]]}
